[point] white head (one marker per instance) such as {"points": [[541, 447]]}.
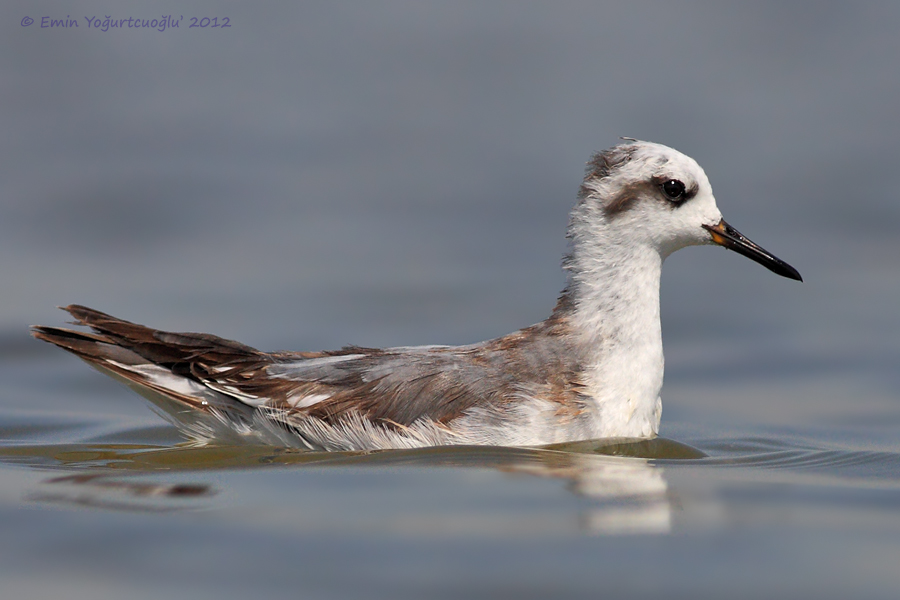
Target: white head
{"points": [[638, 196]]}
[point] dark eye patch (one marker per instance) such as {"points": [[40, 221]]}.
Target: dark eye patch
{"points": [[655, 188]]}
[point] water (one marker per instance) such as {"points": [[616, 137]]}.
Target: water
{"points": [[401, 174], [132, 509]]}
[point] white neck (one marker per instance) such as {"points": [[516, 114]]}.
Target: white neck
{"points": [[614, 287]]}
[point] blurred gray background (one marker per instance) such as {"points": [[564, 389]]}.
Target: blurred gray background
{"points": [[395, 173]]}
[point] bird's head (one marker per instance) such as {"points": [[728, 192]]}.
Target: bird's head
{"points": [[641, 194]]}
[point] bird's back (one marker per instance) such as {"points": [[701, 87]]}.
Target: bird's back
{"points": [[517, 389]]}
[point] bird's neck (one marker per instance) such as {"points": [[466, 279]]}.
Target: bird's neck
{"points": [[613, 309]]}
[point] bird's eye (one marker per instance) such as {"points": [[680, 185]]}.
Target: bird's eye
{"points": [[673, 189]]}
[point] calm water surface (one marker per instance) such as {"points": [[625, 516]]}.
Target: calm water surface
{"points": [[401, 173]]}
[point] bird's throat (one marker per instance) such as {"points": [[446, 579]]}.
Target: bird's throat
{"points": [[615, 304]]}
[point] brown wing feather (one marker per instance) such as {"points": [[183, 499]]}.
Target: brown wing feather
{"points": [[440, 385], [163, 347], [435, 395], [197, 356]]}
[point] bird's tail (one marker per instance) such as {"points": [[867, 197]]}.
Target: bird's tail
{"points": [[177, 372]]}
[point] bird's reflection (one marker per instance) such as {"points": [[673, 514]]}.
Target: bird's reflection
{"points": [[622, 483], [628, 495], [622, 480], [119, 493]]}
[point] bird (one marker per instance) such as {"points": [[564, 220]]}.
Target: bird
{"points": [[592, 370]]}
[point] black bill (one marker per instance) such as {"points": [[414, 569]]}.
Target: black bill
{"points": [[726, 235]]}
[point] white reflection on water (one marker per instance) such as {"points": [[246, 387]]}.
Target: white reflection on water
{"points": [[630, 494]]}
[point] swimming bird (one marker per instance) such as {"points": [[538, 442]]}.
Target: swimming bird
{"points": [[592, 369]]}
